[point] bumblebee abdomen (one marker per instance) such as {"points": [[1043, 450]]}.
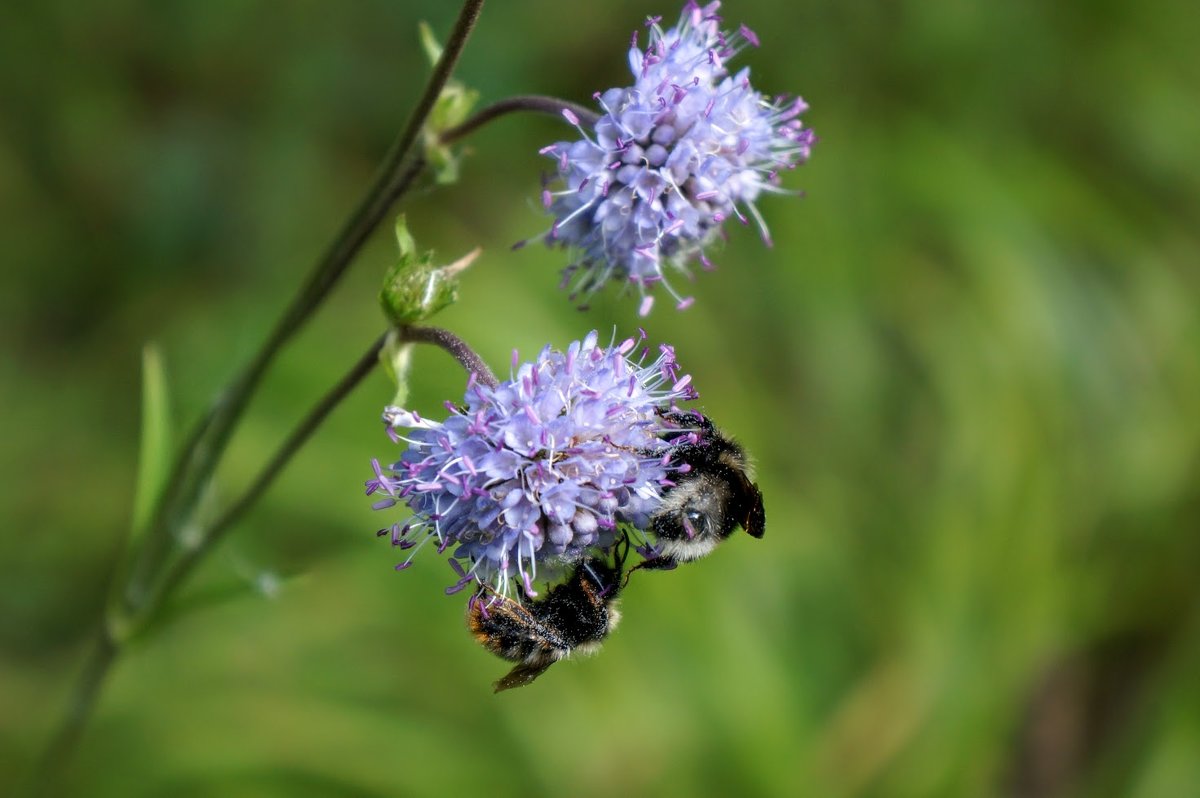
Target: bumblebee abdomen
{"points": [[576, 615], [509, 630]]}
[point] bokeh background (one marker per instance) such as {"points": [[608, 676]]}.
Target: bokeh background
{"points": [[969, 371]]}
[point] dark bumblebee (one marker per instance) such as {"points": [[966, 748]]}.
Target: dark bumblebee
{"points": [[709, 500], [575, 616]]}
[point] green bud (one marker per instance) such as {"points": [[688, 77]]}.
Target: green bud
{"points": [[451, 109], [414, 288]]}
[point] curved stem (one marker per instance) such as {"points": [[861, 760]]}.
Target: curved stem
{"points": [[454, 345], [208, 441], [526, 102]]}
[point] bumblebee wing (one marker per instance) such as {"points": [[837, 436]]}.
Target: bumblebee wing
{"points": [[756, 516], [522, 675]]}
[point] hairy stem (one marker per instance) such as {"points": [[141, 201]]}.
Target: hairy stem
{"points": [[455, 346], [526, 102]]}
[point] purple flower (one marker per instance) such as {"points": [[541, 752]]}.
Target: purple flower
{"points": [[538, 469], [670, 159]]}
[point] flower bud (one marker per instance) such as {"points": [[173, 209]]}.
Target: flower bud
{"points": [[414, 289]]}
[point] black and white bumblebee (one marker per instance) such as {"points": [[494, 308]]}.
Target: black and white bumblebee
{"points": [[575, 616], [712, 496]]}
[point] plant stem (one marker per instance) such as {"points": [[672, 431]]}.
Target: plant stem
{"points": [[179, 569], [62, 745], [104, 653], [525, 102], [109, 644], [210, 436], [454, 345], [208, 441]]}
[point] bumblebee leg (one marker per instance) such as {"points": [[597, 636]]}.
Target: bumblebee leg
{"points": [[662, 563]]}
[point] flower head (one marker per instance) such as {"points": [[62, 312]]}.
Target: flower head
{"points": [[541, 467], [670, 158]]}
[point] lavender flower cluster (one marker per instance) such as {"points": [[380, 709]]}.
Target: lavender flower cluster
{"points": [[670, 159], [540, 468]]}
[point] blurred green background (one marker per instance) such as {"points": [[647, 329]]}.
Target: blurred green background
{"points": [[969, 371]]}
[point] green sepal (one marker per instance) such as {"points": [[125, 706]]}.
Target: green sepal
{"points": [[396, 358]]}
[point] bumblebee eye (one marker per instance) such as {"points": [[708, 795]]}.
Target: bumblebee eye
{"points": [[694, 522]]}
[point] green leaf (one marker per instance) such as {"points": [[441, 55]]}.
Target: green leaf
{"points": [[154, 458], [154, 464]]}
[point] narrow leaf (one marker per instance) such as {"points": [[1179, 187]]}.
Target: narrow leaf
{"points": [[154, 458]]}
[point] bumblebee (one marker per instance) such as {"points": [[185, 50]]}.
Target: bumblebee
{"points": [[711, 497], [575, 616]]}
